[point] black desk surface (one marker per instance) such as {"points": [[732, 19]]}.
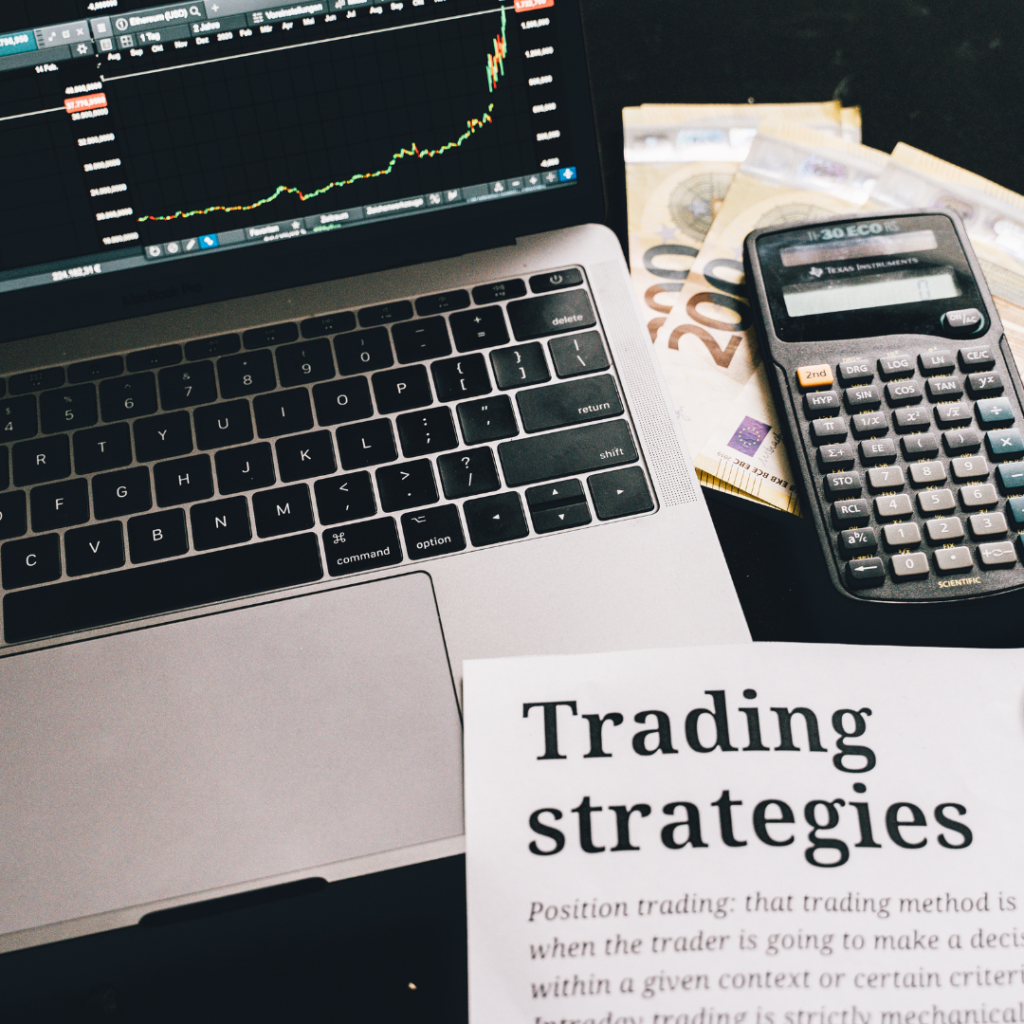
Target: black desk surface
{"points": [[944, 76]]}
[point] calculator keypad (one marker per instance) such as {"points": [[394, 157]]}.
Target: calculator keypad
{"points": [[920, 464]]}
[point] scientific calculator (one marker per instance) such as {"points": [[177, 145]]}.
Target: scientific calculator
{"points": [[900, 400]]}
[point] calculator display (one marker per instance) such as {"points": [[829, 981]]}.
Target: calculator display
{"points": [[881, 290]]}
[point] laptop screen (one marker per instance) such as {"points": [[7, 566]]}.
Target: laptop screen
{"points": [[134, 136]]}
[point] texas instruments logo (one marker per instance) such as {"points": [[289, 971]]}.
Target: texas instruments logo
{"points": [[815, 271]]}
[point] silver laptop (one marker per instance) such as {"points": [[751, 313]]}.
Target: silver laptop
{"points": [[319, 376]]}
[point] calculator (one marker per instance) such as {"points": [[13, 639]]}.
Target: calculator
{"points": [[900, 400]]}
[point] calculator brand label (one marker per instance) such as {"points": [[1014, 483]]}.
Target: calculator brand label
{"points": [[964, 582]]}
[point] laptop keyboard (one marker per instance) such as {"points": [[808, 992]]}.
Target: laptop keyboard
{"points": [[180, 475]]}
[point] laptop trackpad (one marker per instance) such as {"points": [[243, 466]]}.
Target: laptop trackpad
{"points": [[228, 748]]}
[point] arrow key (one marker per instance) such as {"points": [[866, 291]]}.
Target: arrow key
{"points": [[865, 572], [557, 506], [496, 518], [623, 492]]}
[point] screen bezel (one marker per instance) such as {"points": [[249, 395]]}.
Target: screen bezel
{"points": [[347, 252], [909, 318]]}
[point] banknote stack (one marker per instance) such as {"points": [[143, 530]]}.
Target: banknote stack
{"points": [[699, 178]]}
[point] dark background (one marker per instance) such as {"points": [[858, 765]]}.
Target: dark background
{"points": [[946, 77]]}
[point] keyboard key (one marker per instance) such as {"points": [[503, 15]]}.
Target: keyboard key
{"points": [[830, 430], [299, 458], [933, 363], [581, 353], [997, 555], [479, 328], [924, 473], [18, 418], [124, 397], [869, 424], [862, 399], [979, 496], [881, 449], [901, 535], [468, 472], [305, 362], [330, 323], [857, 542], [153, 358], [36, 380], [496, 518], [207, 348], [565, 517], [1015, 506], [343, 498], [398, 390], [442, 302], [952, 414], [283, 412], [406, 485], [623, 492], [162, 437], [159, 535], [1011, 475], [342, 401], [62, 504], [953, 559], [41, 460], [842, 485], [519, 366], [246, 374], [360, 547], [161, 587], [978, 357], [904, 392], [102, 448], [855, 371], [121, 494], [484, 293], [975, 468], [900, 365], [183, 480], [182, 387], [421, 339], [911, 565], [489, 419], [423, 433], [865, 572], [566, 453], [555, 280], [244, 469], [13, 520], [96, 369], [224, 424], [960, 442], [273, 334], [5, 471], [433, 531], [891, 506], [462, 377], [994, 412], [281, 511], [906, 421], [385, 314], [216, 524], [551, 314], [563, 405], [940, 500], [367, 350], [885, 478], [945, 530], [94, 549], [992, 524], [68, 408], [835, 456], [984, 385], [1005, 444], [944, 389], [24, 563], [366, 444], [919, 446]]}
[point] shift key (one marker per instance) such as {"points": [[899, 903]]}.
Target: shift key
{"points": [[567, 452], [565, 405]]}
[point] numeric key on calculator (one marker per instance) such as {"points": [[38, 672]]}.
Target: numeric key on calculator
{"points": [[910, 565], [885, 478]]}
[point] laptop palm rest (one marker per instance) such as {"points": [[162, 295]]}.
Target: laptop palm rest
{"points": [[225, 749]]}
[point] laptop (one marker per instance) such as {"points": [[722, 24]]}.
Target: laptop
{"points": [[320, 375]]}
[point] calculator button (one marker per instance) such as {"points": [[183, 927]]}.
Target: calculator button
{"points": [[885, 478], [933, 363], [994, 412], [865, 572], [991, 524], [821, 403], [900, 365], [857, 542], [901, 535], [835, 456], [975, 468], [999, 554], [814, 376], [1011, 475], [1004, 444], [962, 323], [953, 414], [984, 385], [936, 501], [910, 565], [906, 421], [855, 371], [892, 506], [879, 450], [980, 496], [860, 399], [833, 429], [942, 531], [953, 560], [904, 392], [850, 513], [842, 485], [870, 424], [919, 446], [957, 442], [979, 357], [927, 473], [1015, 506], [941, 389]]}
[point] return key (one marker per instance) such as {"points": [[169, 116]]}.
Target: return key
{"points": [[562, 405]]}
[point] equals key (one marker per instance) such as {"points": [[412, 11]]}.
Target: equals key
{"points": [[579, 353]]}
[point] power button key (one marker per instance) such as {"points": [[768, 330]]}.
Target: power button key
{"points": [[963, 323]]}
